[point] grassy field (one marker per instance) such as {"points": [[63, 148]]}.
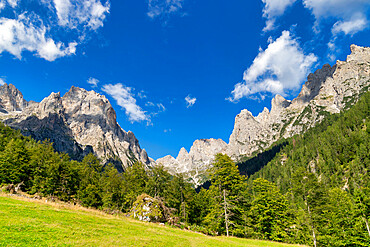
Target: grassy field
{"points": [[25, 222]]}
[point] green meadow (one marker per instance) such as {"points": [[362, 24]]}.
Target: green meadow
{"points": [[25, 222]]}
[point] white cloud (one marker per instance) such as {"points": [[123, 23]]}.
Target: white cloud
{"points": [[13, 3], [88, 13], [63, 8], [161, 107], [157, 8], [280, 68], [93, 82], [125, 99], [273, 9], [190, 101], [335, 8], [2, 5], [345, 13], [141, 94], [51, 51], [356, 24], [18, 35], [39, 29], [346, 18], [155, 108], [149, 103], [2, 82]]}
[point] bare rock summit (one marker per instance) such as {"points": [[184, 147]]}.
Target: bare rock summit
{"points": [[78, 123]]}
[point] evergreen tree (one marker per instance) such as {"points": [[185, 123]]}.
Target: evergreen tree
{"points": [[14, 163], [135, 179], [90, 191], [225, 196], [269, 212]]}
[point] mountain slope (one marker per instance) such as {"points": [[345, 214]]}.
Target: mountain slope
{"points": [[78, 123], [336, 152], [325, 175], [329, 90]]}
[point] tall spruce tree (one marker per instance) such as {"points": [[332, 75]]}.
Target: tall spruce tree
{"points": [[226, 190]]}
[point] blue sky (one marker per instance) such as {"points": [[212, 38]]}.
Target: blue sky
{"points": [[175, 70]]}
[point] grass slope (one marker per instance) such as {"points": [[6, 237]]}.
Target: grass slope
{"points": [[34, 223]]}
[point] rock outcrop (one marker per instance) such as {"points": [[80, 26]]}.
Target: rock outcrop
{"points": [[329, 90], [78, 123], [11, 99], [197, 161]]}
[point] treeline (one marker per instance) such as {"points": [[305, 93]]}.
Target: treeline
{"points": [[312, 189], [50, 174]]}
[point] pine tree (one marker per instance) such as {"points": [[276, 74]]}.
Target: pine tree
{"points": [[225, 191]]}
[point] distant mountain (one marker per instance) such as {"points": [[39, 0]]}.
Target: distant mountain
{"points": [[78, 123], [329, 90]]}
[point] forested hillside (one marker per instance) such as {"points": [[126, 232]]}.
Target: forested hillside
{"points": [[325, 177], [312, 189]]}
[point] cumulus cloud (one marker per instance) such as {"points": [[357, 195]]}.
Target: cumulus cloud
{"points": [[18, 35], [2, 82], [346, 14], [37, 30], [125, 98], [273, 9], [158, 8], [280, 68], [190, 101], [93, 81]]}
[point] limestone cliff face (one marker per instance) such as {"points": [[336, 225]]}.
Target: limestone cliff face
{"points": [[11, 99], [195, 162], [78, 123], [329, 90]]}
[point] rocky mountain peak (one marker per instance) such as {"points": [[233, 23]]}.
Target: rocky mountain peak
{"points": [[312, 86], [263, 116], [79, 99], [196, 161], [244, 114], [278, 103], [182, 154], [358, 54], [328, 90], [206, 147], [11, 99], [78, 123], [49, 105]]}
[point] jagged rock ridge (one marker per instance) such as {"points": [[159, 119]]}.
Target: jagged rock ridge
{"points": [[78, 123], [328, 90]]}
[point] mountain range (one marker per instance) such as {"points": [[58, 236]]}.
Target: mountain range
{"points": [[328, 90], [82, 122]]}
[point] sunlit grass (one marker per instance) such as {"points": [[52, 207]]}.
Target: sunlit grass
{"points": [[34, 223]]}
